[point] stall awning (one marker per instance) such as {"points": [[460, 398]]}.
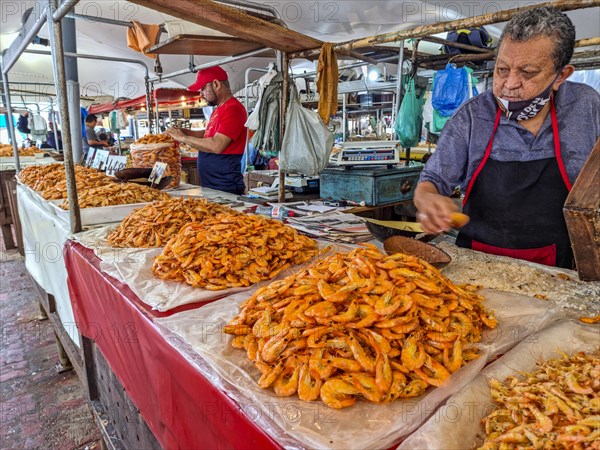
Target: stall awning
{"points": [[164, 96]]}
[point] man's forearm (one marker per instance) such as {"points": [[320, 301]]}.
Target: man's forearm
{"points": [[206, 145]]}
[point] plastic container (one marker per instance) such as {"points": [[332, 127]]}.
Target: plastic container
{"points": [[275, 212]]}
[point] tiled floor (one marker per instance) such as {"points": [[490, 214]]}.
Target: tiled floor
{"points": [[39, 408]]}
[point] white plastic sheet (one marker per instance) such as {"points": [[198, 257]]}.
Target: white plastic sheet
{"points": [[296, 424], [457, 424], [43, 239]]}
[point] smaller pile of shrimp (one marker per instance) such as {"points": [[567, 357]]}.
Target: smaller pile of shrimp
{"points": [[360, 325], [154, 224], [232, 250], [557, 406]]}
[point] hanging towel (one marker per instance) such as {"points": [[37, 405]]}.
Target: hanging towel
{"points": [[327, 82], [140, 37]]}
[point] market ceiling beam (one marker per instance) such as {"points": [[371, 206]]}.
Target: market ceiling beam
{"points": [[587, 42], [428, 30], [234, 22]]}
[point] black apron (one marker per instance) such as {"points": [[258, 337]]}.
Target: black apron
{"points": [[516, 208]]}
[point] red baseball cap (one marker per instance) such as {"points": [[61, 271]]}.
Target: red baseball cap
{"points": [[208, 75]]}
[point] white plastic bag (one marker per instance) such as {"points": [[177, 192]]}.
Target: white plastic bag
{"points": [[307, 141]]}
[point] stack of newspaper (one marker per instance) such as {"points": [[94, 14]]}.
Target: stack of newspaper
{"points": [[336, 227]]}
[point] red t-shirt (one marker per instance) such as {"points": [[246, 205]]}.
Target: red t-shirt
{"points": [[229, 119]]}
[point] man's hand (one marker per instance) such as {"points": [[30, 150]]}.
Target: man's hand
{"points": [[175, 133], [435, 210]]}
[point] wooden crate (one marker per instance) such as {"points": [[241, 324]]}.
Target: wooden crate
{"points": [[582, 215]]}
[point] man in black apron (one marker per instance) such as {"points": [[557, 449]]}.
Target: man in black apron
{"points": [[515, 152]]}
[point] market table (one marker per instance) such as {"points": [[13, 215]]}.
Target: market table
{"points": [[181, 406]]}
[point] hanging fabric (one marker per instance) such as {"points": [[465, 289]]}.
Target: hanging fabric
{"points": [[140, 37], [327, 82], [266, 137], [253, 119]]}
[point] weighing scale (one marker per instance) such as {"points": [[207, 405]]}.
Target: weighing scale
{"points": [[367, 153]]}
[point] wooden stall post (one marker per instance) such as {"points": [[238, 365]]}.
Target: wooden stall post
{"points": [[582, 215]]}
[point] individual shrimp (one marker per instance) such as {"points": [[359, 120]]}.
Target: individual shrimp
{"points": [[439, 372], [413, 354], [367, 316], [454, 362], [321, 309], [360, 355], [318, 363], [309, 383], [383, 372], [348, 365], [269, 375], [286, 384], [377, 341], [337, 393], [414, 388], [330, 294], [366, 385], [276, 345], [347, 315], [398, 385]]}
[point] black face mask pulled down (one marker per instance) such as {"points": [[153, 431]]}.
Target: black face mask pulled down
{"points": [[526, 109]]}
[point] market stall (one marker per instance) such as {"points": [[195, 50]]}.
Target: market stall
{"points": [[169, 336]]}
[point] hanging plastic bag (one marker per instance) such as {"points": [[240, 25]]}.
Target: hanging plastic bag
{"points": [[409, 119], [450, 89], [307, 141]]}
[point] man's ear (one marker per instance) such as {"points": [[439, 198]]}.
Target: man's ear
{"points": [[565, 73], [217, 85]]}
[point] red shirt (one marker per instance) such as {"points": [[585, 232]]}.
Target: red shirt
{"points": [[229, 119]]}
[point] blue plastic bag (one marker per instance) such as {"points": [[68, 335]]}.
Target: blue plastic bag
{"points": [[450, 89], [409, 119]]}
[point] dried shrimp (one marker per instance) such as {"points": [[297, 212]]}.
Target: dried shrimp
{"points": [[360, 325], [232, 250], [116, 194], [555, 407], [154, 224]]}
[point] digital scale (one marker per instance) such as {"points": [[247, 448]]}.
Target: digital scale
{"points": [[367, 153]]}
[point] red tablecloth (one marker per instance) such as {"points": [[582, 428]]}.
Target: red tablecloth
{"points": [[181, 407]]}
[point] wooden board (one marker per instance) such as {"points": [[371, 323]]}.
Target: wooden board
{"points": [[234, 22], [582, 215], [188, 44]]}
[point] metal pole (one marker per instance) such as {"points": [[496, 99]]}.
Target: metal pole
{"points": [[157, 115], [64, 9], [398, 87], [72, 76], [344, 117], [58, 58], [54, 124], [148, 103], [97, 57], [283, 64], [9, 121], [218, 62]]}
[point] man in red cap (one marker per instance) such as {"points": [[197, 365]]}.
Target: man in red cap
{"points": [[221, 145]]}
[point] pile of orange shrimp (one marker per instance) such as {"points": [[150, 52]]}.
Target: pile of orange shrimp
{"points": [[51, 179], [557, 406], [154, 224], [232, 250], [115, 194], [360, 324]]}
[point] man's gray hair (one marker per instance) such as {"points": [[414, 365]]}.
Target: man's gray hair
{"points": [[540, 22]]}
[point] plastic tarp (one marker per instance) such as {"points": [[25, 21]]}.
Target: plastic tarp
{"points": [[181, 406], [44, 237], [164, 97], [297, 424], [457, 424]]}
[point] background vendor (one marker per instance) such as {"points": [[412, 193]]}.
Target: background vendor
{"points": [[221, 146], [516, 151], [91, 139]]}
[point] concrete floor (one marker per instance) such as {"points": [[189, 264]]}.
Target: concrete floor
{"points": [[39, 407]]}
